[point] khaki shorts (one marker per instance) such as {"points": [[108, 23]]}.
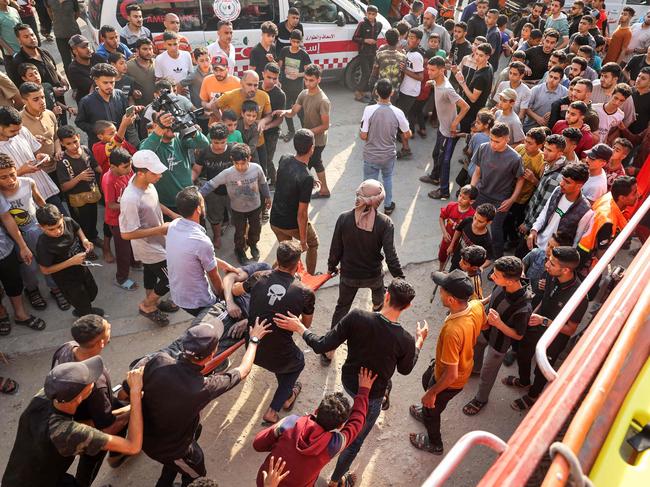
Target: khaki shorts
{"points": [[215, 207]]}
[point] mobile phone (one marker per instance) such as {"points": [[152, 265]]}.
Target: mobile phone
{"points": [[130, 111]]}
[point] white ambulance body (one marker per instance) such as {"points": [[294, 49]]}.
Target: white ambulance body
{"points": [[328, 25]]}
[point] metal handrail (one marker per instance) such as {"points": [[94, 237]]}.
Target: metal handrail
{"points": [[560, 320], [448, 464]]}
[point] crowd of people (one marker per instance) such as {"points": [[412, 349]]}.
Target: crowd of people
{"points": [[551, 113]]}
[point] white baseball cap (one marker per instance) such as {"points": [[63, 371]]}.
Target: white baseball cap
{"points": [[147, 159]]}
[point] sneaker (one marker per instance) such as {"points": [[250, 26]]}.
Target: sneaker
{"points": [[390, 209], [242, 258], [255, 252], [93, 311], [429, 180], [437, 195]]}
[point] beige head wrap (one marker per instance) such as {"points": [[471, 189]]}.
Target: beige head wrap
{"points": [[370, 194]]}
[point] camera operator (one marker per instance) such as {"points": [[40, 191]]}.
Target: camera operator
{"points": [[173, 153]]}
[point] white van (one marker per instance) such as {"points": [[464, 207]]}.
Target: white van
{"points": [[615, 7], [328, 24]]}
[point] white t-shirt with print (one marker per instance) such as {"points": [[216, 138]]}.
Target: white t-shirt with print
{"points": [[177, 69], [415, 63]]}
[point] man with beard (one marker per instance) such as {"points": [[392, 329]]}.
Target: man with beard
{"points": [[134, 30], [223, 46], [141, 69], [604, 90], [216, 84], [535, 18], [79, 69]]}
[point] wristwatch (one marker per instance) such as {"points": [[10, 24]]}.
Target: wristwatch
{"points": [[545, 322], [255, 340]]}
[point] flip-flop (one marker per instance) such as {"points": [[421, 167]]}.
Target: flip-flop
{"points": [[61, 302], [168, 306], [8, 386], [415, 411], [32, 322], [524, 403], [422, 442], [297, 388], [5, 325], [36, 299], [157, 316], [513, 381], [473, 407], [127, 285]]}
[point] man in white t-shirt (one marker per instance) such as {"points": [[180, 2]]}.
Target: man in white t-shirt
{"points": [[379, 126], [597, 158], [640, 40], [610, 114], [223, 46], [409, 90], [173, 63]]}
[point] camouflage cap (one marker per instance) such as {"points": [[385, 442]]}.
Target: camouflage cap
{"points": [[66, 381]]}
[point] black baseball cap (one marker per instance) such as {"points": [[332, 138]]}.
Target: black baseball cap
{"points": [[456, 283], [600, 151], [66, 381], [202, 339]]}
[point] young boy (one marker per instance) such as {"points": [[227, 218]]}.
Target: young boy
{"points": [[23, 197], [473, 231], [508, 312], [110, 139], [472, 261], [62, 252], [229, 118], [210, 162], [452, 214], [123, 81], [292, 61], [113, 183], [572, 136], [264, 51], [614, 168], [505, 114], [433, 44], [365, 36], [77, 172], [480, 134], [29, 72], [247, 126], [245, 182], [597, 158]]}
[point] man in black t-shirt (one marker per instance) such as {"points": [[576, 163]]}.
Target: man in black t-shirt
{"points": [[375, 340], [641, 97], [537, 57], [476, 90], [289, 213], [264, 51], [476, 25], [285, 28], [460, 47], [278, 292], [561, 267], [636, 64], [278, 98], [91, 334], [209, 162], [48, 438]]}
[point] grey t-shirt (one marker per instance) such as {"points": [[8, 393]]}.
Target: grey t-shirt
{"points": [[140, 210], [381, 122], [23, 207], [244, 188], [6, 243], [499, 172], [514, 124], [446, 99]]}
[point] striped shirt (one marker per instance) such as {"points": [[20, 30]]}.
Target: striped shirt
{"points": [[21, 149]]}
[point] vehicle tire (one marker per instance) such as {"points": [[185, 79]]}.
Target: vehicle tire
{"points": [[352, 74]]}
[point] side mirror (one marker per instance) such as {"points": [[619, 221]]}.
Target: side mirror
{"points": [[340, 19]]}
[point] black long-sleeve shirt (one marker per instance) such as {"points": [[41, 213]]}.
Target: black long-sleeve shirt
{"points": [[360, 252], [374, 342]]}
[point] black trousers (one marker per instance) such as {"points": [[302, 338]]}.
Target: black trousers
{"points": [[553, 352], [86, 217], [247, 221], [516, 217], [292, 95], [44, 18], [156, 277], [10, 275], [80, 293], [526, 352], [190, 466], [64, 49], [365, 62], [431, 417], [348, 290], [271, 143]]}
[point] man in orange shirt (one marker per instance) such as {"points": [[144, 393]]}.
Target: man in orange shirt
{"points": [[216, 84], [172, 24], [452, 367], [621, 37]]}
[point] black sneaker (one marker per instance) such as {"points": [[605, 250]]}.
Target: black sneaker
{"points": [[93, 311], [436, 194], [255, 252], [242, 258], [389, 209]]}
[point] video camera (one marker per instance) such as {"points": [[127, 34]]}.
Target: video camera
{"points": [[184, 122]]}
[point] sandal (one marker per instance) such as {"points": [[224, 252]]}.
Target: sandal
{"points": [[157, 316], [416, 412], [5, 325], [473, 407], [297, 388], [61, 302], [127, 285], [8, 386], [35, 299], [348, 480], [512, 381], [168, 306], [524, 403], [422, 442], [385, 403], [32, 322]]}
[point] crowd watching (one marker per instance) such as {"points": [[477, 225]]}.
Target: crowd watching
{"points": [[547, 117]]}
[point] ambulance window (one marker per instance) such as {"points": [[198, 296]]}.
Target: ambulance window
{"points": [[154, 12], [252, 13], [318, 11], [638, 2]]}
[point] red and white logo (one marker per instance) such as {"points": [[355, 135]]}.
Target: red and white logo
{"points": [[226, 9]]}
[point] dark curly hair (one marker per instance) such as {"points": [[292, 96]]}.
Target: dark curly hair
{"points": [[333, 410]]}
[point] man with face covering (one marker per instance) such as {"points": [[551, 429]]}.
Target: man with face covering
{"points": [[359, 237]]}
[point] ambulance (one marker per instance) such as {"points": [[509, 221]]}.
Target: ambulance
{"points": [[328, 25]]}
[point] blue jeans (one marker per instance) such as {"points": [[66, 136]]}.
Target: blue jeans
{"points": [[371, 171], [442, 153], [348, 455]]}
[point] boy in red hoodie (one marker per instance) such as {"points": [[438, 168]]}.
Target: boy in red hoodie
{"points": [[308, 443]]}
